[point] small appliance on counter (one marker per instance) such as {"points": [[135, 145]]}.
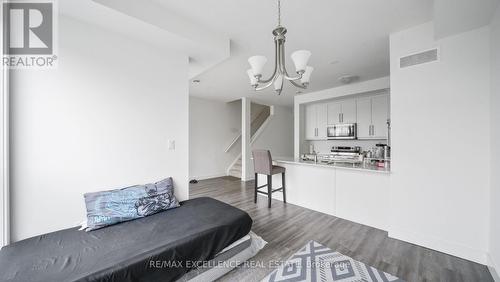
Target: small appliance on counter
{"points": [[343, 154], [346, 150], [379, 151], [380, 155], [309, 157]]}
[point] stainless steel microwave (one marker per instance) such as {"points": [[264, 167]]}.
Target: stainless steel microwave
{"points": [[342, 131]]}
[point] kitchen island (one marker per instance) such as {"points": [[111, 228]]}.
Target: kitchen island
{"points": [[354, 192]]}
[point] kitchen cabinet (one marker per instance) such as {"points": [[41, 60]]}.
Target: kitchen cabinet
{"points": [[342, 112], [322, 114], [380, 115], [372, 115], [349, 111], [334, 112], [316, 122], [364, 117], [311, 121]]}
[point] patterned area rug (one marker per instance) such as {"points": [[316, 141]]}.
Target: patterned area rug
{"points": [[316, 262]]}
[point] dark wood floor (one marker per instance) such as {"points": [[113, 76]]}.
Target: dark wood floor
{"points": [[287, 228]]}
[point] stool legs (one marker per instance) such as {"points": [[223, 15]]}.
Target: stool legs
{"points": [[256, 185], [269, 190], [283, 184]]}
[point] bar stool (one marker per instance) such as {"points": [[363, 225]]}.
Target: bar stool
{"points": [[263, 164]]}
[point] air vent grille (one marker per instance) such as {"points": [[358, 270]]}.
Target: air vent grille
{"points": [[420, 58]]}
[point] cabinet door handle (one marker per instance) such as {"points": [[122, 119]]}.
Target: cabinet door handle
{"points": [[340, 120], [342, 117]]}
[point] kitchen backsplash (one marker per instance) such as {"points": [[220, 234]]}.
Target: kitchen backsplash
{"points": [[323, 147]]}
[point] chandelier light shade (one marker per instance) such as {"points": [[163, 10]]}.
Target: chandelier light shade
{"points": [[257, 63], [300, 59], [280, 74]]}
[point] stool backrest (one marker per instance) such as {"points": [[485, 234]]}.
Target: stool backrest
{"points": [[262, 162]]}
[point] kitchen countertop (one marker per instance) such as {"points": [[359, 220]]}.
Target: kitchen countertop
{"points": [[358, 167]]}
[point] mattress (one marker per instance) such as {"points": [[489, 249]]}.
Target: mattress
{"points": [[159, 247], [227, 260]]}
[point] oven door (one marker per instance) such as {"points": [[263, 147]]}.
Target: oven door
{"points": [[342, 131]]}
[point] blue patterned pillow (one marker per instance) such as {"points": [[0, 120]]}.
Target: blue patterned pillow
{"points": [[114, 206]]}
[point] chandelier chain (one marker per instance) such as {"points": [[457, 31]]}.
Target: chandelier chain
{"points": [[279, 12]]}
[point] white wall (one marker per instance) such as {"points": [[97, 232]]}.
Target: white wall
{"points": [[495, 143], [441, 142], [212, 127], [4, 148], [214, 124], [278, 135], [100, 121], [246, 147]]}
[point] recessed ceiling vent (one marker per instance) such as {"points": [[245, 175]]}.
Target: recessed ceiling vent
{"points": [[419, 58]]}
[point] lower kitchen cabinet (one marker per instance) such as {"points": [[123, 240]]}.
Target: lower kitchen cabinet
{"points": [[359, 196], [363, 197]]}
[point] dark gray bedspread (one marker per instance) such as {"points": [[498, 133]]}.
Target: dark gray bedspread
{"points": [[159, 247]]}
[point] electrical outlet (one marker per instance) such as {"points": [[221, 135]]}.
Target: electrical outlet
{"points": [[171, 145]]}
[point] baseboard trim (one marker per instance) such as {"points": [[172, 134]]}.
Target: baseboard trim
{"points": [[492, 267], [204, 177], [441, 246], [247, 179]]}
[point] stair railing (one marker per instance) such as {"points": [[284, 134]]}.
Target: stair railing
{"points": [[235, 140]]}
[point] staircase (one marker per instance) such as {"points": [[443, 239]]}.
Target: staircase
{"points": [[235, 169], [260, 115], [259, 120]]}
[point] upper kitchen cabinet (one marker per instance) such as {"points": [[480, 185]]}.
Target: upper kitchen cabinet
{"points": [[364, 117], [342, 112], [380, 116], [334, 112], [316, 121], [372, 117]]}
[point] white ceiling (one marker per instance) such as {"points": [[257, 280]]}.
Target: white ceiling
{"points": [[345, 37], [154, 25], [456, 16]]}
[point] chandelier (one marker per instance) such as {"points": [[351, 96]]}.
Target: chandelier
{"points": [[299, 58]]}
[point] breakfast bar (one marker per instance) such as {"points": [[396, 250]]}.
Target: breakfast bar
{"points": [[356, 192]]}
